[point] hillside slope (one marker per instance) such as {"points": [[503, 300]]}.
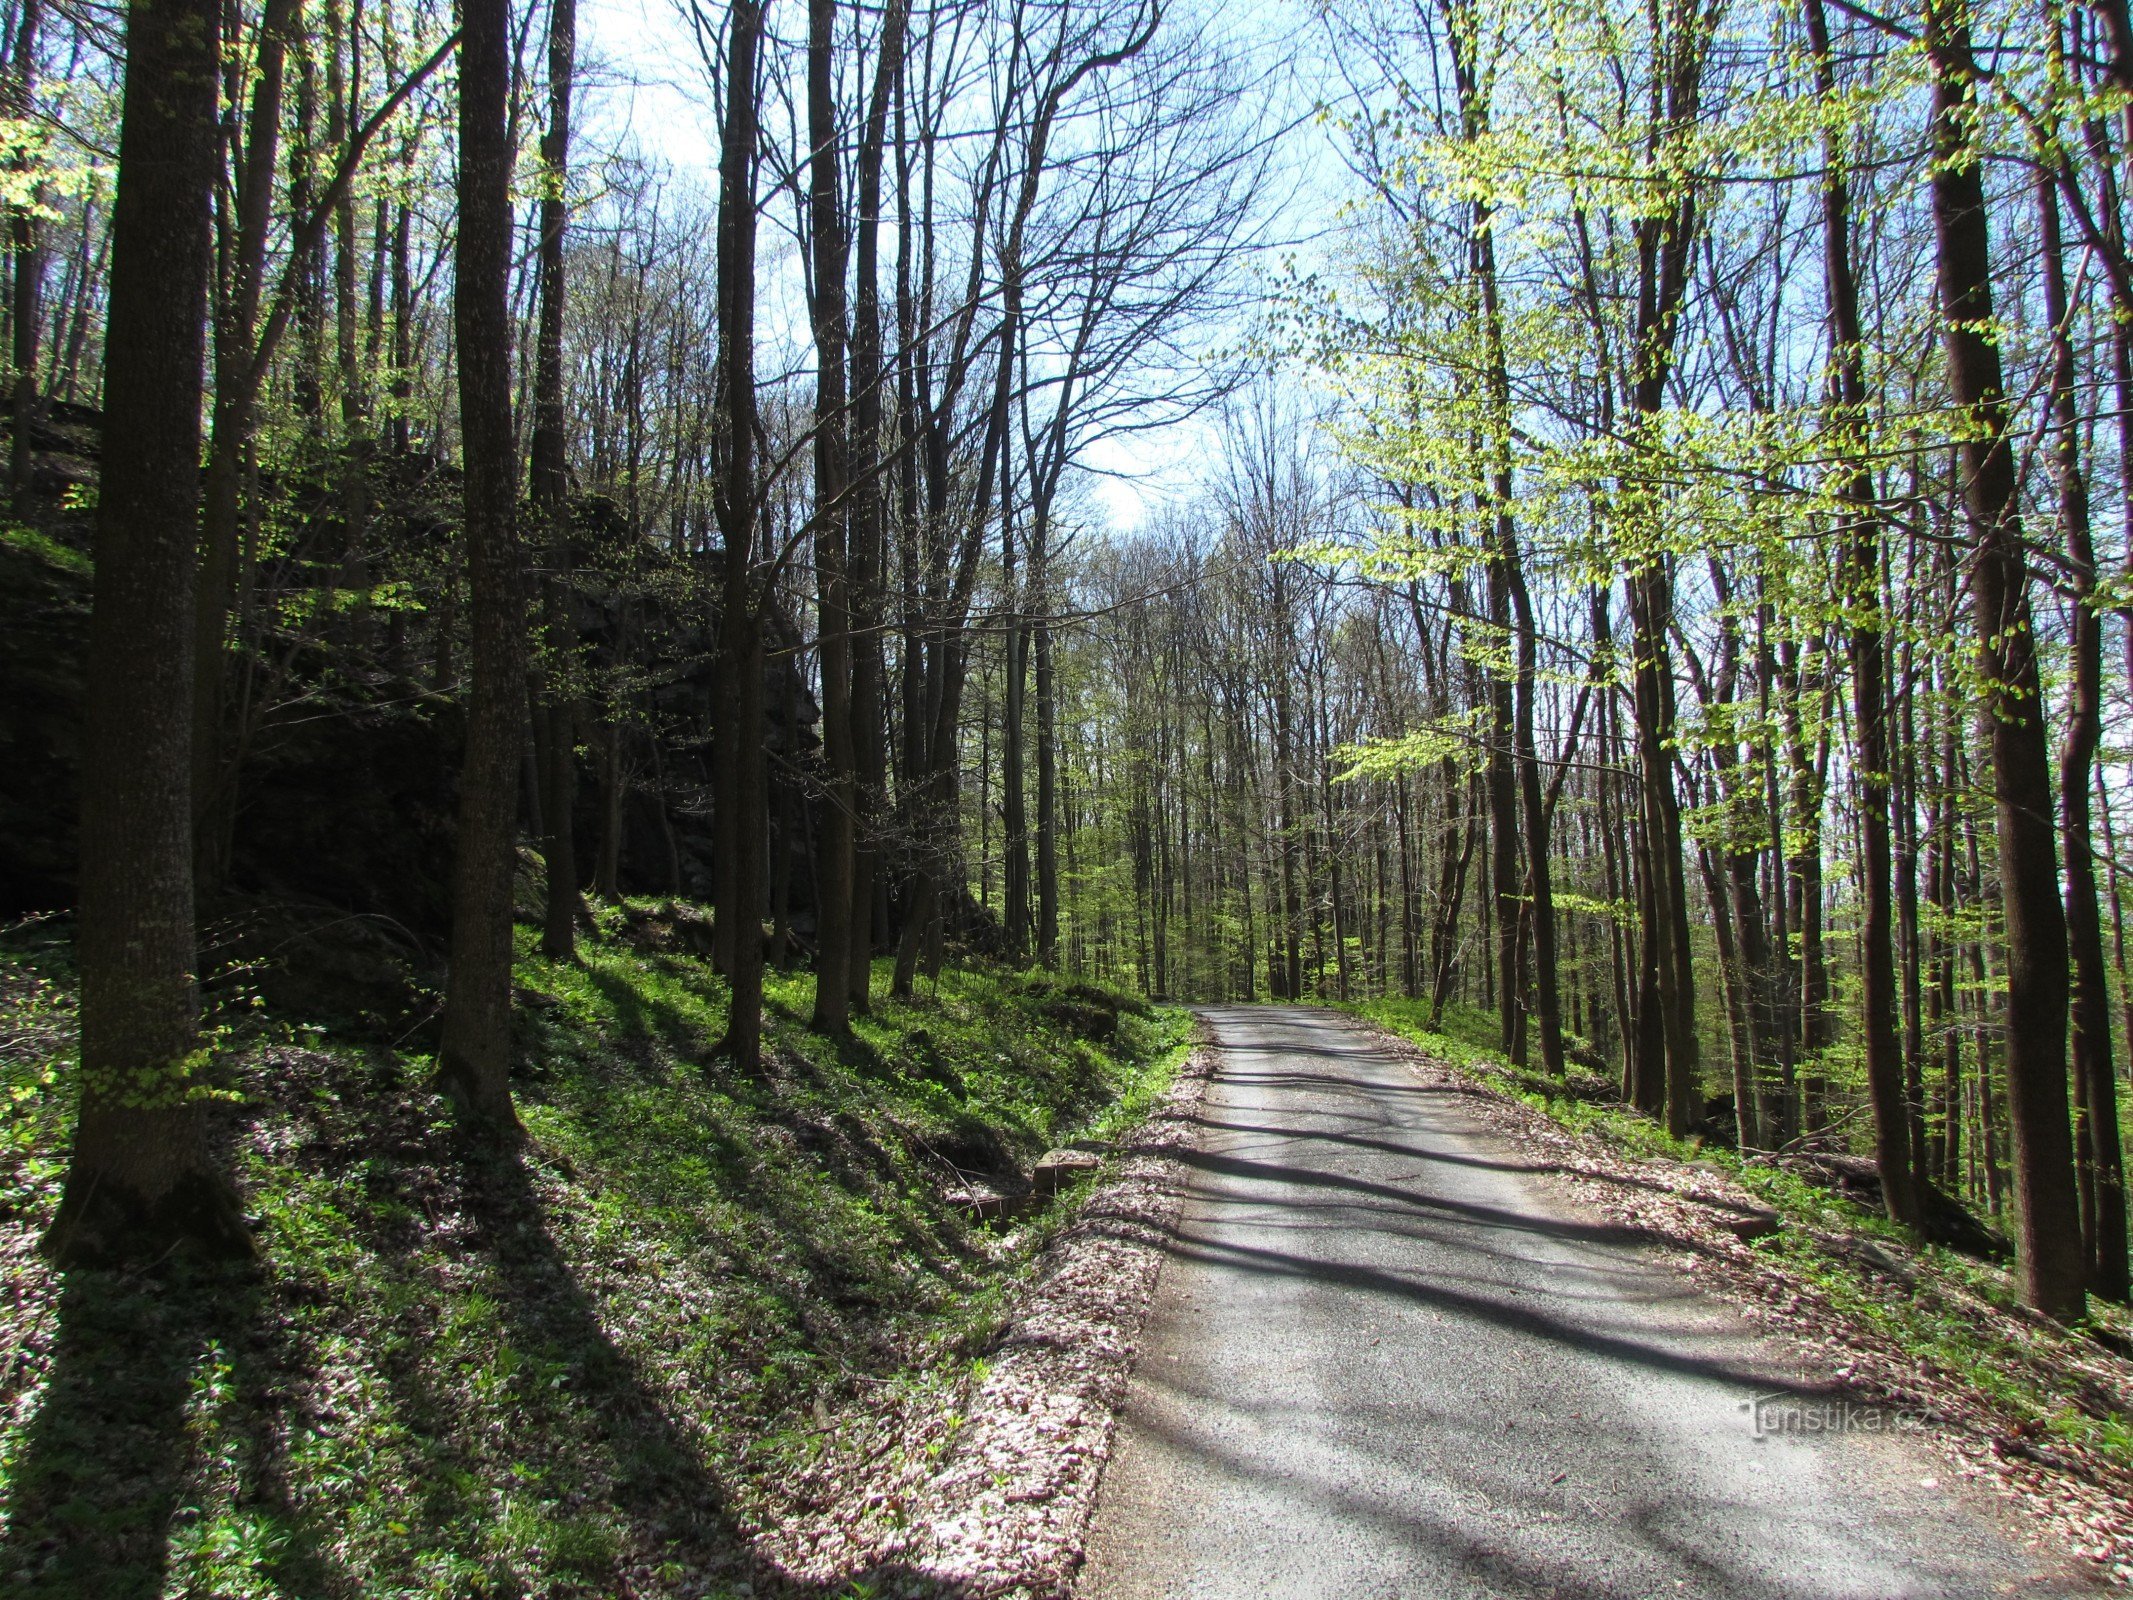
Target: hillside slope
{"points": [[593, 1369]]}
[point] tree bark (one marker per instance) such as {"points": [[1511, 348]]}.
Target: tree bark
{"points": [[1048, 764], [834, 883], [735, 501], [2053, 1272], [309, 377], [474, 1057], [29, 269], [2100, 1173], [1505, 879], [1855, 491], [140, 1180], [1539, 891], [549, 471], [1665, 243], [870, 756], [236, 325]]}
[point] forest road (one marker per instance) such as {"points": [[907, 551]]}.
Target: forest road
{"points": [[1392, 1355]]}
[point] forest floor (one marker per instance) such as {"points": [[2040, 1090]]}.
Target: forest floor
{"points": [[703, 1335], [2041, 1413], [712, 1337]]}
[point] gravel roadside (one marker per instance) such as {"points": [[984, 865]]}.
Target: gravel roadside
{"points": [[984, 1492]]}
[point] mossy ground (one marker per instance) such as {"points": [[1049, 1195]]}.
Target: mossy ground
{"points": [[2030, 1371], [583, 1369]]}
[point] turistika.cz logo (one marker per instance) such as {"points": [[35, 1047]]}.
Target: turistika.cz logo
{"points": [[1794, 1416]]}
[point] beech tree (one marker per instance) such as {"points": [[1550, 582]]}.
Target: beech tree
{"points": [[474, 1054], [140, 1180]]}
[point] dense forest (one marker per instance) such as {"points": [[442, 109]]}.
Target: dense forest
{"points": [[1652, 565]]}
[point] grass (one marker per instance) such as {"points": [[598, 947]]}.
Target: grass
{"points": [[591, 1368], [2043, 1378]]}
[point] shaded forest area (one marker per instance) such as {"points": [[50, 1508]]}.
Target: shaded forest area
{"points": [[542, 504]]}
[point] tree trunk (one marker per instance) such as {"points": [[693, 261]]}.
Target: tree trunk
{"points": [[868, 607], [1810, 1010], [834, 908], [1014, 787], [1505, 879], [2100, 1171], [474, 1057], [1855, 489], [549, 471], [309, 377], [735, 500], [1048, 772], [235, 391], [2052, 1269], [1538, 890], [140, 1180], [1665, 245], [29, 268]]}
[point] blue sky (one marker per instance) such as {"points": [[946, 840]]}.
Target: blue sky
{"points": [[643, 89]]}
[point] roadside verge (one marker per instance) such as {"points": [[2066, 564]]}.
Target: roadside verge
{"points": [[984, 1488]]}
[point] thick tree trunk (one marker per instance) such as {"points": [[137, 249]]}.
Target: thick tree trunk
{"points": [[868, 608], [2053, 1273], [550, 474], [28, 250], [835, 912], [1670, 1000], [140, 1180], [2101, 1169], [735, 500], [474, 1057]]}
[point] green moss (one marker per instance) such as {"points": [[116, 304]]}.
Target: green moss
{"points": [[610, 1354], [42, 547]]}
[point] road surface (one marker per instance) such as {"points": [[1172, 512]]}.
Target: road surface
{"points": [[1390, 1357]]}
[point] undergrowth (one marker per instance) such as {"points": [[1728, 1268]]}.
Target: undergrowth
{"points": [[588, 1368], [1958, 1315]]}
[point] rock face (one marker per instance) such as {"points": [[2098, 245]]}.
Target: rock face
{"points": [[1749, 1226], [347, 791], [1056, 1169], [647, 625], [44, 635], [356, 809], [981, 1203]]}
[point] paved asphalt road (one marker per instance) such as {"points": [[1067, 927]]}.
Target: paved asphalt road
{"points": [[1388, 1357]]}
